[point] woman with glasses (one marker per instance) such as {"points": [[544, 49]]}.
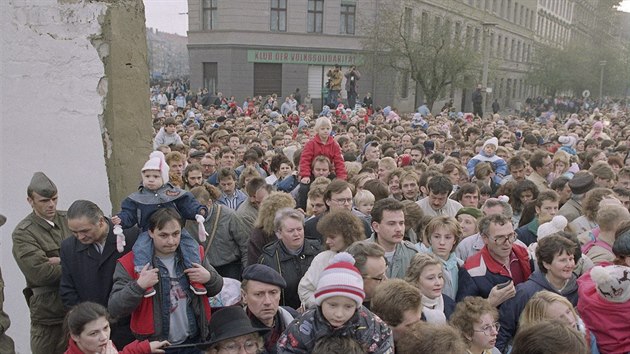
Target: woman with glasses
{"points": [[232, 333], [547, 305], [425, 273], [555, 259], [476, 321]]}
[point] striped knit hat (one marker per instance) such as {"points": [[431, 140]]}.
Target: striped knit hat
{"points": [[340, 278]]}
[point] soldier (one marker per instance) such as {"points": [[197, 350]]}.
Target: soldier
{"points": [[6, 343], [36, 243]]}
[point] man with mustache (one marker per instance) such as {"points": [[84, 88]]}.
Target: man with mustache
{"points": [[388, 223]]}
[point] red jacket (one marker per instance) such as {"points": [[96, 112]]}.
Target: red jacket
{"points": [[608, 321], [142, 323], [330, 149], [134, 347]]}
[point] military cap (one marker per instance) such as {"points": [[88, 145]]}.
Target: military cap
{"points": [[264, 274], [474, 212], [42, 185]]}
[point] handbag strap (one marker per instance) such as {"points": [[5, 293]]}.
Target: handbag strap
{"points": [[214, 227]]}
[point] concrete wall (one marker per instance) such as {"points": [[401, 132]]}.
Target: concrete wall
{"points": [[66, 113]]}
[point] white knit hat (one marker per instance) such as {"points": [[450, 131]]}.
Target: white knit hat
{"points": [[157, 162], [557, 224], [494, 141], [612, 282], [340, 278]]}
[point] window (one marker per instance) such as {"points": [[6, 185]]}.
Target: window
{"points": [[315, 16], [458, 31], [477, 40], [210, 77], [407, 21], [425, 26], [499, 46], [404, 84], [346, 22], [209, 14], [278, 15]]}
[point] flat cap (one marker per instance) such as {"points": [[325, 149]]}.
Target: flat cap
{"points": [[582, 182], [198, 153], [42, 185], [264, 274]]}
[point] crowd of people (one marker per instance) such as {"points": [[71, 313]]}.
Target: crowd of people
{"points": [[262, 226]]}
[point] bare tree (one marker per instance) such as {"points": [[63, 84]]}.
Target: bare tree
{"points": [[432, 54]]}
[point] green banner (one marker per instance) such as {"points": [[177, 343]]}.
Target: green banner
{"points": [[299, 57]]}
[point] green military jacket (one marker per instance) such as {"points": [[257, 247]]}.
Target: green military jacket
{"points": [[34, 241], [6, 343]]}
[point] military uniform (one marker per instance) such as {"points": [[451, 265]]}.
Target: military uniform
{"points": [[35, 240], [6, 343]]}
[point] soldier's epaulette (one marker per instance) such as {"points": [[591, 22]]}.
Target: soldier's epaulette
{"points": [[24, 224]]}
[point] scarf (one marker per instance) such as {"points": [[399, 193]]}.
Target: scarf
{"points": [[433, 309], [451, 278]]}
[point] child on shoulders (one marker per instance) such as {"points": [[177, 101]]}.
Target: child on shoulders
{"points": [[156, 192]]}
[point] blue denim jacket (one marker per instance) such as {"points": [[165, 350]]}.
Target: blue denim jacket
{"points": [[165, 290]]}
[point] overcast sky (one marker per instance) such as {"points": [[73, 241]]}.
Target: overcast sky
{"points": [[167, 15], [171, 15]]}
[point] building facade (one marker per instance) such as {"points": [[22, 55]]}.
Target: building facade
{"points": [[253, 47], [248, 48]]}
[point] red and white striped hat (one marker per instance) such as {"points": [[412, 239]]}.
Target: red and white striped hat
{"points": [[340, 278]]}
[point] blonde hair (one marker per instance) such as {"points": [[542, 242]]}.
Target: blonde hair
{"points": [[536, 308], [321, 121], [417, 265], [274, 202], [363, 196]]}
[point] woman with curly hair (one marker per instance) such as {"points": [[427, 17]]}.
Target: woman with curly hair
{"points": [[340, 228], [476, 320], [264, 229]]}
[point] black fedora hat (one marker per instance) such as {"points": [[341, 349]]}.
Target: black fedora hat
{"points": [[229, 322]]}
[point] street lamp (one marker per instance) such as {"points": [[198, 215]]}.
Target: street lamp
{"points": [[602, 63], [486, 59]]}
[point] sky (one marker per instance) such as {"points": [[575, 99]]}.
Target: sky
{"points": [[167, 15], [171, 15]]}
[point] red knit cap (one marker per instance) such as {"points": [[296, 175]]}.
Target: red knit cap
{"points": [[340, 278]]}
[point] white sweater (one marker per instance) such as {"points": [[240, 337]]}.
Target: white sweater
{"points": [[308, 284]]}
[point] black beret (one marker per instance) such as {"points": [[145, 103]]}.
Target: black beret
{"points": [[264, 274]]}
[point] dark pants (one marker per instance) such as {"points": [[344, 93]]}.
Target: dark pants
{"points": [[352, 99], [231, 270], [477, 109], [121, 333]]}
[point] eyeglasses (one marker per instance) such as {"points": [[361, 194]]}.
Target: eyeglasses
{"points": [[378, 279], [343, 201], [250, 347], [501, 239], [487, 329]]}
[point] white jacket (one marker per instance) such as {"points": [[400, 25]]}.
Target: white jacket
{"points": [[308, 284]]}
